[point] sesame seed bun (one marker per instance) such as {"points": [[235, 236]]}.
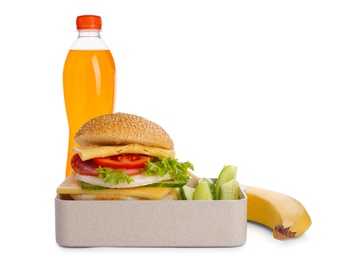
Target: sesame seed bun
{"points": [[122, 129]]}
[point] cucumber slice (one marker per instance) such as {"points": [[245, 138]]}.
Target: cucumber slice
{"points": [[87, 186], [202, 191], [178, 193], [230, 190], [187, 192], [228, 173], [211, 187], [169, 183]]}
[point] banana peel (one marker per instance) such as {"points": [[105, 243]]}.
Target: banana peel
{"points": [[286, 216]]}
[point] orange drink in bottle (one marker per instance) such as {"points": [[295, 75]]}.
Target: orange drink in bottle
{"points": [[89, 78]]}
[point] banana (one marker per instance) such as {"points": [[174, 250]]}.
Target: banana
{"points": [[286, 216]]}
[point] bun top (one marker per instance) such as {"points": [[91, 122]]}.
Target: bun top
{"points": [[122, 129]]}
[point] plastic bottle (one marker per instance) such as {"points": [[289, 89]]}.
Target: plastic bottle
{"points": [[89, 78]]}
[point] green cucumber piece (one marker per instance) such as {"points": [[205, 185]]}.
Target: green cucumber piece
{"points": [[87, 186], [228, 173], [202, 191], [169, 183], [230, 190], [211, 187], [187, 192], [178, 193]]}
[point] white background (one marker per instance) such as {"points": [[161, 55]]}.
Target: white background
{"points": [[255, 84]]}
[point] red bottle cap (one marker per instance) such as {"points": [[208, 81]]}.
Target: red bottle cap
{"points": [[88, 22]]}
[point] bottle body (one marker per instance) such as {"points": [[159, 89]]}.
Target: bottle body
{"points": [[89, 83]]}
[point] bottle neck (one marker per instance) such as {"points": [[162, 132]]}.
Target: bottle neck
{"points": [[89, 40], [89, 33]]}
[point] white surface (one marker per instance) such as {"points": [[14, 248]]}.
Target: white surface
{"points": [[250, 83]]}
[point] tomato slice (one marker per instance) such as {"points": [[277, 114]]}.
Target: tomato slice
{"points": [[123, 161]]}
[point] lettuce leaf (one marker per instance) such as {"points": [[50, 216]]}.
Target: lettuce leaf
{"points": [[164, 165], [110, 175], [159, 166]]}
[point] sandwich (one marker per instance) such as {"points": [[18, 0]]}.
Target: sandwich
{"points": [[123, 156]]}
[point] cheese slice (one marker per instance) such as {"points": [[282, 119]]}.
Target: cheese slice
{"points": [[89, 152], [71, 186]]}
